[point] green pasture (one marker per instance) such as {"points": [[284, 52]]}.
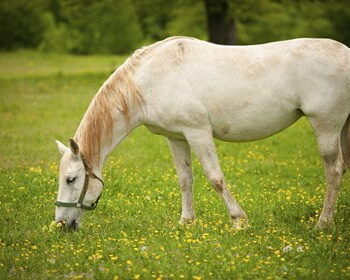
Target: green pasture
{"points": [[134, 232]]}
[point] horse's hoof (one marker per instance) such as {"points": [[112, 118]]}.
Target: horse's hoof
{"points": [[186, 221], [240, 223]]}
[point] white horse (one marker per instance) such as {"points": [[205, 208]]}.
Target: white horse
{"points": [[192, 91]]}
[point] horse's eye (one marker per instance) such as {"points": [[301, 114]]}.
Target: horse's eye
{"points": [[71, 180]]}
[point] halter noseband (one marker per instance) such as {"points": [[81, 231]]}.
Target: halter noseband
{"points": [[80, 204]]}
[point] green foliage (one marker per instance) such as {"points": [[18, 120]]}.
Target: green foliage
{"points": [[20, 23], [58, 37], [121, 26], [338, 13], [133, 234], [188, 19], [154, 16], [268, 21], [160, 18], [106, 26]]}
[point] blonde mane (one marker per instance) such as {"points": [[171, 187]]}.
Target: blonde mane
{"points": [[118, 92]]}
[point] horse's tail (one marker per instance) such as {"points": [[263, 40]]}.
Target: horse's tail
{"points": [[345, 142]]}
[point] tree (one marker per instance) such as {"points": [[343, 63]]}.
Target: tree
{"points": [[220, 22], [21, 23], [339, 13], [188, 19], [154, 16], [105, 26]]}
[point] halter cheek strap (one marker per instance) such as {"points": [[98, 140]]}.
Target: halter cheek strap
{"points": [[80, 204]]}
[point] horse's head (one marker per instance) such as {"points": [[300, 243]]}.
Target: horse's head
{"points": [[79, 187]]}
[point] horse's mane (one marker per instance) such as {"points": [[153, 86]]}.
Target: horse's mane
{"points": [[118, 92]]}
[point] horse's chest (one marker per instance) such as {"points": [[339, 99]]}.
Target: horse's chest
{"points": [[164, 131]]}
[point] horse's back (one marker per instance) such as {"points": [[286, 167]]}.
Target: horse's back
{"points": [[246, 92]]}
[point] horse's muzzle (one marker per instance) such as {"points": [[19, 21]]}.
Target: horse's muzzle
{"points": [[73, 225]]}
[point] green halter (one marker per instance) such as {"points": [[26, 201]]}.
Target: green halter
{"points": [[80, 204]]}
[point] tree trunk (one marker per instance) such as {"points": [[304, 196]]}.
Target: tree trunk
{"points": [[221, 25]]}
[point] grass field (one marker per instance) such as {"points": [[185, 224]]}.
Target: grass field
{"points": [[134, 232]]}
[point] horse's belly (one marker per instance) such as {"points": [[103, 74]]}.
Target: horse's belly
{"points": [[249, 125]]}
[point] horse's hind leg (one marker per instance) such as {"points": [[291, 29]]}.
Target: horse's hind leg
{"points": [[329, 146], [202, 143], [182, 158], [334, 168]]}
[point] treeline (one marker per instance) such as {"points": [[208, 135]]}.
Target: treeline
{"points": [[119, 26]]}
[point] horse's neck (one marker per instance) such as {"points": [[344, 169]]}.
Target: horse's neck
{"points": [[121, 129], [114, 112], [107, 140]]}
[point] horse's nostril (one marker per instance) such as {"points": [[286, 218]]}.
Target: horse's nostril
{"points": [[74, 225]]}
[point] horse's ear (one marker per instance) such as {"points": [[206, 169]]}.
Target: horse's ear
{"points": [[74, 147], [61, 147]]}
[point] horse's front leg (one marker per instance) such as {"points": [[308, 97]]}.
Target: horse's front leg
{"points": [[202, 143], [182, 158]]}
